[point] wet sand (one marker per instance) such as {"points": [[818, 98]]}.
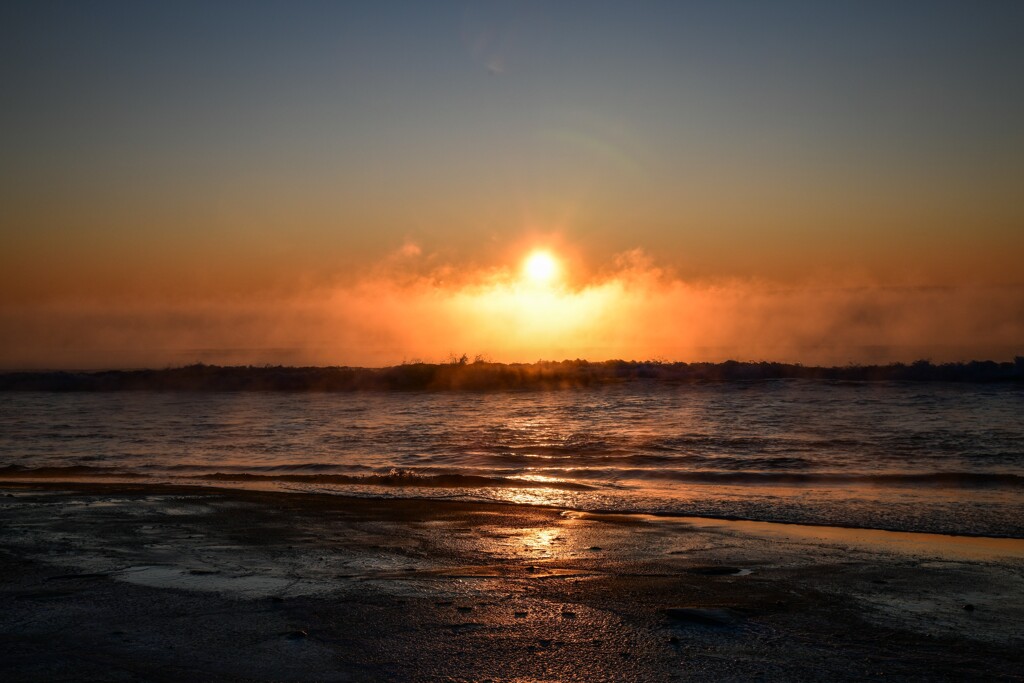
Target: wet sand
{"points": [[123, 582]]}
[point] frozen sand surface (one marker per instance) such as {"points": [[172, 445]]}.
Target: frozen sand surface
{"points": [[123, 582]]}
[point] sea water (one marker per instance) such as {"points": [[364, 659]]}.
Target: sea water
{"points": [[946, 458]]}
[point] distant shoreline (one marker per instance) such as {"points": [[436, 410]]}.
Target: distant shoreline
{"points": [[484, 376]]}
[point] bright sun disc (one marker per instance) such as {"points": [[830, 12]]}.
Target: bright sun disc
{"points": [[540, 266]]}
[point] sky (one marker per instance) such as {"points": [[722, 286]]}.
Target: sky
{"points": [[359, 183]]}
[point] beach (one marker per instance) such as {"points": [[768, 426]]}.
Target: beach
{"points": [[520, 342], [121, 581]]}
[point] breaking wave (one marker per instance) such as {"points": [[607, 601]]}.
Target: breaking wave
{"points": [[561, 479], [404, 478]]}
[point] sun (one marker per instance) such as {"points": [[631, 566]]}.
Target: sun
{"points": [[540, 267]]}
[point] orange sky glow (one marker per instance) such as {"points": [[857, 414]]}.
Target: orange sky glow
{"points": [[367, 184]]}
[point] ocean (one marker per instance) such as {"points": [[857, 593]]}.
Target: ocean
{"points": [[929, 457]]}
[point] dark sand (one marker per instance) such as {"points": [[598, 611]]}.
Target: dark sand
{"points": [[124, 583]]}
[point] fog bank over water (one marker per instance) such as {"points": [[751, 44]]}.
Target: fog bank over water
{"points": [[633, 311]]}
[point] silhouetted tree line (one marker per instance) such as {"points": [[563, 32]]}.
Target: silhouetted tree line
{"points": [[481, 375]]}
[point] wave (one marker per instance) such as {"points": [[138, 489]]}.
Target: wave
{"points": [[284, 467], [404, 479], [556, 478], [72, 471], [395, 477], [937, 479]]}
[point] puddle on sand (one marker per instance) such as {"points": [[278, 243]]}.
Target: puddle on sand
{"points": [[167, 576]]}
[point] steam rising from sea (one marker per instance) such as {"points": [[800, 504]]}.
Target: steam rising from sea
{"points": [[408, 309]]}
